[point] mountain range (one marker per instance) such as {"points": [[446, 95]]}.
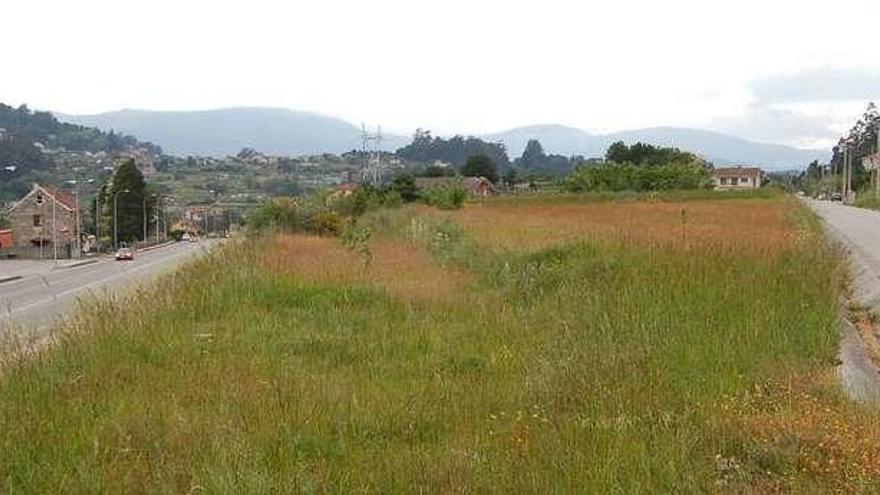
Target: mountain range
{"points": [[288, 132]]}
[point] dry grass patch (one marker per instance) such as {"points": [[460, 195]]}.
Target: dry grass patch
{"points": [[757, 225], [802, 434], [401, 268]]}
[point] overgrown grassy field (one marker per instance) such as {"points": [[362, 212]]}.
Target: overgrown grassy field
{"points": [[671, 345]]}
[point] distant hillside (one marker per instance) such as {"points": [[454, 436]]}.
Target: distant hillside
{"points": [[287, 132], [224, 132], [33, 143], [554, 138], [715, 147]]}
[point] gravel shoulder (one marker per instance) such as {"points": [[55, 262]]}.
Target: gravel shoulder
{"points": [[857, 230]]}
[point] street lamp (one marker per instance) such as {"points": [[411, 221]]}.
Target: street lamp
{"points": [[115, 223], [144, 211]]}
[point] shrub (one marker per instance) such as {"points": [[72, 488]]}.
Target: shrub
{"points": [[446, 197], [612, 176]]}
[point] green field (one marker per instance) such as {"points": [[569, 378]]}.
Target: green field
{"points": [[677, 346]]}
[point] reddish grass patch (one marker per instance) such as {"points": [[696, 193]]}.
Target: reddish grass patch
{"points": [[756, 225], [401, 268]]}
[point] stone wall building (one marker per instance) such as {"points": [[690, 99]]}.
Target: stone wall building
{"points": [[44, 223]]}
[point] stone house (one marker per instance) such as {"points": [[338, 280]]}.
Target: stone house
{"points": [[44, 221], [737, 178]]}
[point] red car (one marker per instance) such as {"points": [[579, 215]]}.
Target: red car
{"points": [[125, 254]]}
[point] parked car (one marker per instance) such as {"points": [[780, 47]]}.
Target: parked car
{"points": [[125, 254], [836, 197], [185, 237]]}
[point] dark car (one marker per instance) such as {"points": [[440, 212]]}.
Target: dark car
{"points": [[836, 197]]}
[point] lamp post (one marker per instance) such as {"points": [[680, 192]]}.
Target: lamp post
{"points": [[157, 199], [98, 221], [115, 223], [144, 213], [77, 217]]}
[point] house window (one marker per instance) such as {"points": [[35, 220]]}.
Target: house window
{"points": [[38, 220], [744, 180], [723, 181]]}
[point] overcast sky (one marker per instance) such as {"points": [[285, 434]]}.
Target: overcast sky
{"points": [[793, 72]]}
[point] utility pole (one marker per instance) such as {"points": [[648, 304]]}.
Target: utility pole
{"points": [[115, 219], [77, 245], [98, 221], [844, 180], [42, 223], [54, 229], [372, 171], [158, 198], [144, 213], [849, 175]]}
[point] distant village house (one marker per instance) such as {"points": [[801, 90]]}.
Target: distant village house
{"points": [[737, 178], [475, 186]]}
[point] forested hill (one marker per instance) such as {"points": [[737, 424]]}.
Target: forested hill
{"points": [[32, 143], [42, 129]]}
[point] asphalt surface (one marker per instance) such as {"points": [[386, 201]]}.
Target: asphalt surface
{"points": [[858, 231], [42, 294]]}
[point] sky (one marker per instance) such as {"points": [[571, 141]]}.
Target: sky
{"points": [[782, 71]]}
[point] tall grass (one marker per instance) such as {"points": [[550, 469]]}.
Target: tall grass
{"points": [[600, 366]]}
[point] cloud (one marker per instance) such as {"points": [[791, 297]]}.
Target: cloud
{"points": [[818, 85]]}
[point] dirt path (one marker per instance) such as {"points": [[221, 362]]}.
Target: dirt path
{"points": [[858, 230]]}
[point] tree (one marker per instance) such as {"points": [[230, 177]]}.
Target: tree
{"points": [[511, 178], [480, 166], [131, 196], [405, 185], [533, 156], [438, 171], [425, 148], [4, 219]]}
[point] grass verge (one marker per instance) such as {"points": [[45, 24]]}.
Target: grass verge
{"points": [[611, 361]]}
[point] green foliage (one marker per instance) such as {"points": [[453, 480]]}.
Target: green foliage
{"points": [[456, 150], [4, 218], [511, 177], [641, 167], [358, 240], [860, 141], [133, 203], [437, 171], [311, 214], [405, 186], [646, 154], [611, 176], [321, 213], [448, 196], [481, 166], [534, 158]]}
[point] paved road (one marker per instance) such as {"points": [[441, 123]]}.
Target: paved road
{"points": [[34, 301], [858, 231]]}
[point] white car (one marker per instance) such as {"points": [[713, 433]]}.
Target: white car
{"points": [[124, 254]]}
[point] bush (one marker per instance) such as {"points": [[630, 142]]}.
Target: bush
{"points": [[321, 213], [446, 197], [612, 176]]}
